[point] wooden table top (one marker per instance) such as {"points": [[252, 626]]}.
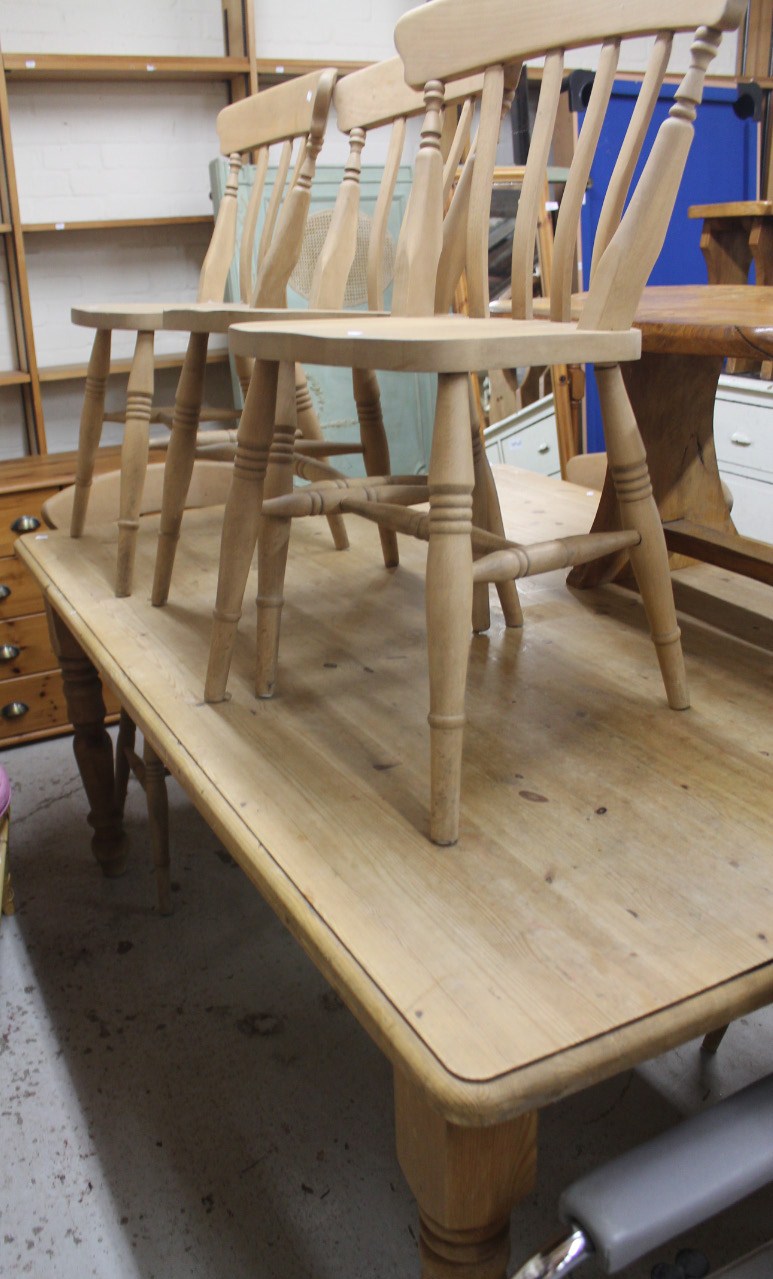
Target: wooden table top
{"points": [[611, 893], [707, 319], [695, 319], [732, 209]]}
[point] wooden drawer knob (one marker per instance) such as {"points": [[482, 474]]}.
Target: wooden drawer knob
{"points": [[25, 524], [14, 710], [8, 652]]}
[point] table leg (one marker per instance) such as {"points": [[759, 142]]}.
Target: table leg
{"points": [[466, 1182], [92, 746], [673, 401]]}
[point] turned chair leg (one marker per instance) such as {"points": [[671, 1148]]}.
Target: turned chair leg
{"points": [[241, 521], [180, 458], [466, 1182], [481, 609], [448, 599], [273, 545], [92, 418], [367, 397], [638, 510], [310, 429], [134, 458], [509, 599], [487, 514]]}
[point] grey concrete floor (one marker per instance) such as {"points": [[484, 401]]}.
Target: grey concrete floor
{"points": [[187, 1097]]}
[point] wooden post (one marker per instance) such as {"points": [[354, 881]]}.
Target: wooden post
{"points": [[466, 1182]]}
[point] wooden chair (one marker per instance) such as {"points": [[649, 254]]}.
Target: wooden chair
{"points": [[7, 904], [370, 99], [437, 41], [363, 101], [287, 112], [208, 487]]}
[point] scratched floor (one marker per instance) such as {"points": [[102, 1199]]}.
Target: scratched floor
{"points": [[186, 1097]]}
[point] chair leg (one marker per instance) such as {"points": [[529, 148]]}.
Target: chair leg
{"points": [[367, 397], [241, 521], [158, 821], [449, 598], [179, 462], [509, 600], [134, 459], [92, 417], [273, 545], [481, 609], [124, 745], [310, 429], [638, 510]]}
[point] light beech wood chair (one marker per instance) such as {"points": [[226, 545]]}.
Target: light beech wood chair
{"points": [[295, 111], [364, 101], [437, 41]]}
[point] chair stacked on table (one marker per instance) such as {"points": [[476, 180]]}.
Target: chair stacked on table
{"points": [[440, 43]]}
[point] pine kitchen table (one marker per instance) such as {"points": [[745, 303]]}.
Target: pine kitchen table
{"points": [[612, 891]]}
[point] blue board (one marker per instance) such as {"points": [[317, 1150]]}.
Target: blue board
{"points": [[722, 165]]}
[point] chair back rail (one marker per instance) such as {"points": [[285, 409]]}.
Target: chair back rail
{"points": [[449, 38], [217, 260]]}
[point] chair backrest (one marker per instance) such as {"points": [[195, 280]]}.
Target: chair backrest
{"points": [[295, 111], [448, 38], [366, 100]]}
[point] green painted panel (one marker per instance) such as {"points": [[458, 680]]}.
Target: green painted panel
{"points": [[408, 399]]}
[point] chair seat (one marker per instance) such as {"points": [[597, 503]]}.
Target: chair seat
{"points": [[219, 317], [434, 344], [134, 316]]}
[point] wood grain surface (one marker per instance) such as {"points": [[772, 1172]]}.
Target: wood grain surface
{"points": [[611, 891]]}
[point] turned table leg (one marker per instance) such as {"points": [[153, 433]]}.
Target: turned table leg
{"points": [[466, 1182], [92, 746]]}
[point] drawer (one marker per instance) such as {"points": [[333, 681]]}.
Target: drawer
{"points": [[752, 502], [32, 704], [527, 439], [23, 591], [743, 427], [45, 711], [29, 637], [14, 506], [535, 449]]}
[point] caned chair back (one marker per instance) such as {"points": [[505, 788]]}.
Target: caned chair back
{"points": [[448, 38], [286, 114]]}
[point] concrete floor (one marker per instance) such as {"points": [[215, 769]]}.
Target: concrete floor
{"points": [[187, 1097]]}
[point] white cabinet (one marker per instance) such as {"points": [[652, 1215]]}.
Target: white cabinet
{"points": [[743, 437], [527, 439]]}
